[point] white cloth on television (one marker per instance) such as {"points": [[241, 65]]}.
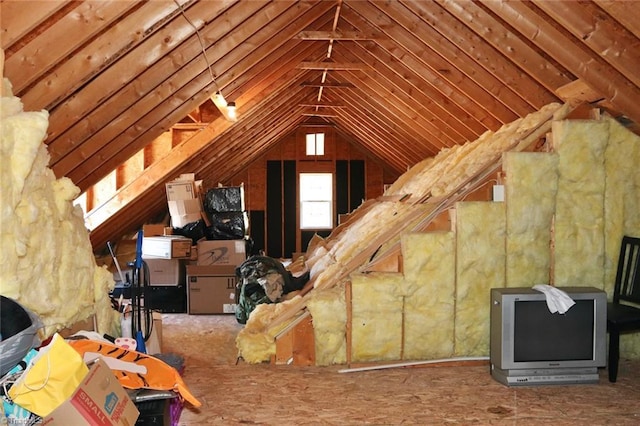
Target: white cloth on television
{"points": [[557, 300]]}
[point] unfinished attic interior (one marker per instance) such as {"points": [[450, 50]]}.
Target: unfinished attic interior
{"points": [[470, 146]]}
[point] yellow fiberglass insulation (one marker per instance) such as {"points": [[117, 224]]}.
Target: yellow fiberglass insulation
{"points": [[480, 260], [47, 260], [256, 341], [579, 223], [429, 306], [376, 325], [530, 191], [329, 313]]}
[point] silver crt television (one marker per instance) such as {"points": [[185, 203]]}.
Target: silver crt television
{"points": [[531, 346]]}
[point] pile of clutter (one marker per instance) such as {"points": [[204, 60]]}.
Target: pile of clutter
{"points": [[70, 381]]}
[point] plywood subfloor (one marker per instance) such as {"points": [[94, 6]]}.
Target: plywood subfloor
{"points": [[233, 394]]}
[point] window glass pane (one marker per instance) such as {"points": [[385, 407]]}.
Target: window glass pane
{"points": [[311, 144], [316, 200], [315, 187], [315, 214], [320, 144]]}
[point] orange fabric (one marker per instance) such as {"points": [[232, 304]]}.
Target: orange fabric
{"points": [[159, 376]]}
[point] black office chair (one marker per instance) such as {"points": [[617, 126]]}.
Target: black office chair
{"points": [[622, 317]]}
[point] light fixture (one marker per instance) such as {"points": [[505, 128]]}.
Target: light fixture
{"points": [[228, 109], [231, 111]]}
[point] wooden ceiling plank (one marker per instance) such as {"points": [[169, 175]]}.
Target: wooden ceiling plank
{"points": [[124, 101], [134, 66], [588, 67], [386, 128], [433, 83], [151, 87], [196, 94], [397, 111], [444, 56], [61, 40], [611, 41], [72, 73], [376, 143], [626, 13], [450, 79], [18, 20], [483, 54], [432, 102], [449, 127], [520, 52]]}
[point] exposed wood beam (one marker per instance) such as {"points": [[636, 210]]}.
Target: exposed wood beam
{"points": [[324, 105], [578, 91], [327, 84], [318, 114], [332, 66], [336, 35]]}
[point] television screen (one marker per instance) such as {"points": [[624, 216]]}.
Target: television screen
{"points": [[540, 335]]}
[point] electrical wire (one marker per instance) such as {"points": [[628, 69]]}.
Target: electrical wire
{"points": [[204, 51]]}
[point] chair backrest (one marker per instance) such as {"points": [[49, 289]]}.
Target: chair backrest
{"points": [[627, 286]]}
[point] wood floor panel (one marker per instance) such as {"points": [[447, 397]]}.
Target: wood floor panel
{"points": [[236, 394]]}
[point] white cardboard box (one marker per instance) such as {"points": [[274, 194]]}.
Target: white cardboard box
{"points": [[166, 247], [165, 271]]}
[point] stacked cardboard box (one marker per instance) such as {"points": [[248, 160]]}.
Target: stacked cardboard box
{"points": [[183, 197], [212, 282]]}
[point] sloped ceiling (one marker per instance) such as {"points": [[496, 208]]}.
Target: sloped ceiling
{"points": [[402, 79]]}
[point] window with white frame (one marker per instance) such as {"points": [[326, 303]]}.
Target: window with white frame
{"points": [[316, 200], [315, 144]]}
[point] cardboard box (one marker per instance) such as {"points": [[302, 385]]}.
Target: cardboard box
{"points": [[166, 271], [181, 190], [184, 212], [166, 247], [153, 230], [98, 400], [221, 252], [211, 289], [154, 343]]}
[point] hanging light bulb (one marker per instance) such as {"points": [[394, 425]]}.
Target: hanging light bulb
{"points": [[231, 111]]}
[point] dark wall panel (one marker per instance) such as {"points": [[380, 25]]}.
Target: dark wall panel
{"points": [[290, 207], [274, 209], [356, 184], [342, 187], [256, 231]]}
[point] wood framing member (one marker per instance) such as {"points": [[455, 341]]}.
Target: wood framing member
{"points": [[336, 35], [331, 66]]}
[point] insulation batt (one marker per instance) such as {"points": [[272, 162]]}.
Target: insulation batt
{"points": [[562, 220], [46, 256]]}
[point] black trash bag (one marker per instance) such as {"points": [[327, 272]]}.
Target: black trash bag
{"points": [[194, 230], [227, 226], [224, 199]]}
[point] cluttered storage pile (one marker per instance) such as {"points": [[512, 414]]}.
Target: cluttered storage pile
{"points": [[191, 265], [86, 378]]}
